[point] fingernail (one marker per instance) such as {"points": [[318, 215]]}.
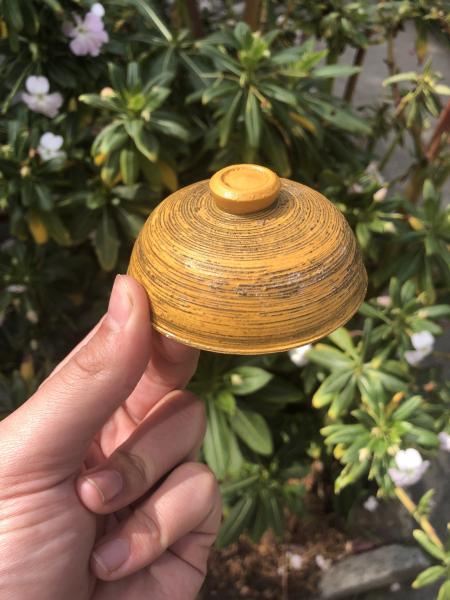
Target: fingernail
{"points": [[120, 303], [106, 484], [111, 555]]}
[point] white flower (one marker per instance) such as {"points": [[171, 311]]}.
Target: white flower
{"points": [[88, 34], [444, 441], [97, 9], [295, 561], [371, 504], [423, 343], [323, 563], [16, 288], [38, 99], [423, 340], [50, 146], [299, 355], [410, 467]]}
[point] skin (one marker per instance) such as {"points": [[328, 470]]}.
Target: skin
{"points": [[100, 494]]}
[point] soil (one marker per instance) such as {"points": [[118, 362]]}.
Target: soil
{"points": [[263, 571]]}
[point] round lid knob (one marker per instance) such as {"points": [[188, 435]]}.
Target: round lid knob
{"points": [[243, 189]]}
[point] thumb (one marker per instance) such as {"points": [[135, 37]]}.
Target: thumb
{"points": [[60, 420]]}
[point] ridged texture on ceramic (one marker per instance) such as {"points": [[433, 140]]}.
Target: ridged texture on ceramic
{"points": [[249, 284]]}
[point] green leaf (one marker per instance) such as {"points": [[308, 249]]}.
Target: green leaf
{"points": [[129, 166], [133, 76], [13, 15], [216, 444], [275, 151], [280, 391], [230, 489], [113, 140], [335, 71], [389, 382], [145, 142], [246, 380], [369, 311], [424, 437], [339, 117], [226, 402], [342, 400], [236, 521], [56, 228], [429, 576], [408, 76], [99, 102], [130, 222], [44, 196], [227, 122], [243, 34], [428, 545], [275, 514], [149, 13], [444, 591], [253, 430], [407, 408], [278, 93], [440, 88], [329, 357], [117, 78], [253, 120], [171, 127], [104, 133], [216, 91], [106, 242], [434, 312], [156, 97], [343, 340]]}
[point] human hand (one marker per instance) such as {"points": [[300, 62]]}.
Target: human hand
{"points": [[99, 496]]}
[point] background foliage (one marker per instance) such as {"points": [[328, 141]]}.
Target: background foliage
{"points": [[179, 90]]}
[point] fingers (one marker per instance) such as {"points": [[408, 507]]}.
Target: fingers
{"points": [[183, 515], [71, 406], [171, 366], [170, 433]]}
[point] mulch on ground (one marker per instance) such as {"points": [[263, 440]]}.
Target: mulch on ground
{"points": [[262, 571]]}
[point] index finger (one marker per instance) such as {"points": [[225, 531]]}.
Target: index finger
{"points": [[171, 366]]}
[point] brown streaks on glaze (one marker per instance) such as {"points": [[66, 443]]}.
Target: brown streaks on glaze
{"points": [[249, 283]]}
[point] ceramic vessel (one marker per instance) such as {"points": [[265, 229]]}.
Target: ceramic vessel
{"points": [[247, 263]]}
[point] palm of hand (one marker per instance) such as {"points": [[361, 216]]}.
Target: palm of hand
{"points": [[50, 528]]}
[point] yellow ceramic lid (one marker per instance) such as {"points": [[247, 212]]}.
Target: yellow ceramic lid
{"points": [[247, 263]]}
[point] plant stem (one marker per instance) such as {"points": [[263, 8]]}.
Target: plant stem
{"points": [[442, 127], [423, 521], [252, 13], [195, 19], [353, 79], [332, 58], [390, 151], [390, 62]]}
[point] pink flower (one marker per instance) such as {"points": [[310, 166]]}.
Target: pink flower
{"points": [[88, 34], [38, 99]]}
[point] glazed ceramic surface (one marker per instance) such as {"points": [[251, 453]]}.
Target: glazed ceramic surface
{"points": [[262, 280]]}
